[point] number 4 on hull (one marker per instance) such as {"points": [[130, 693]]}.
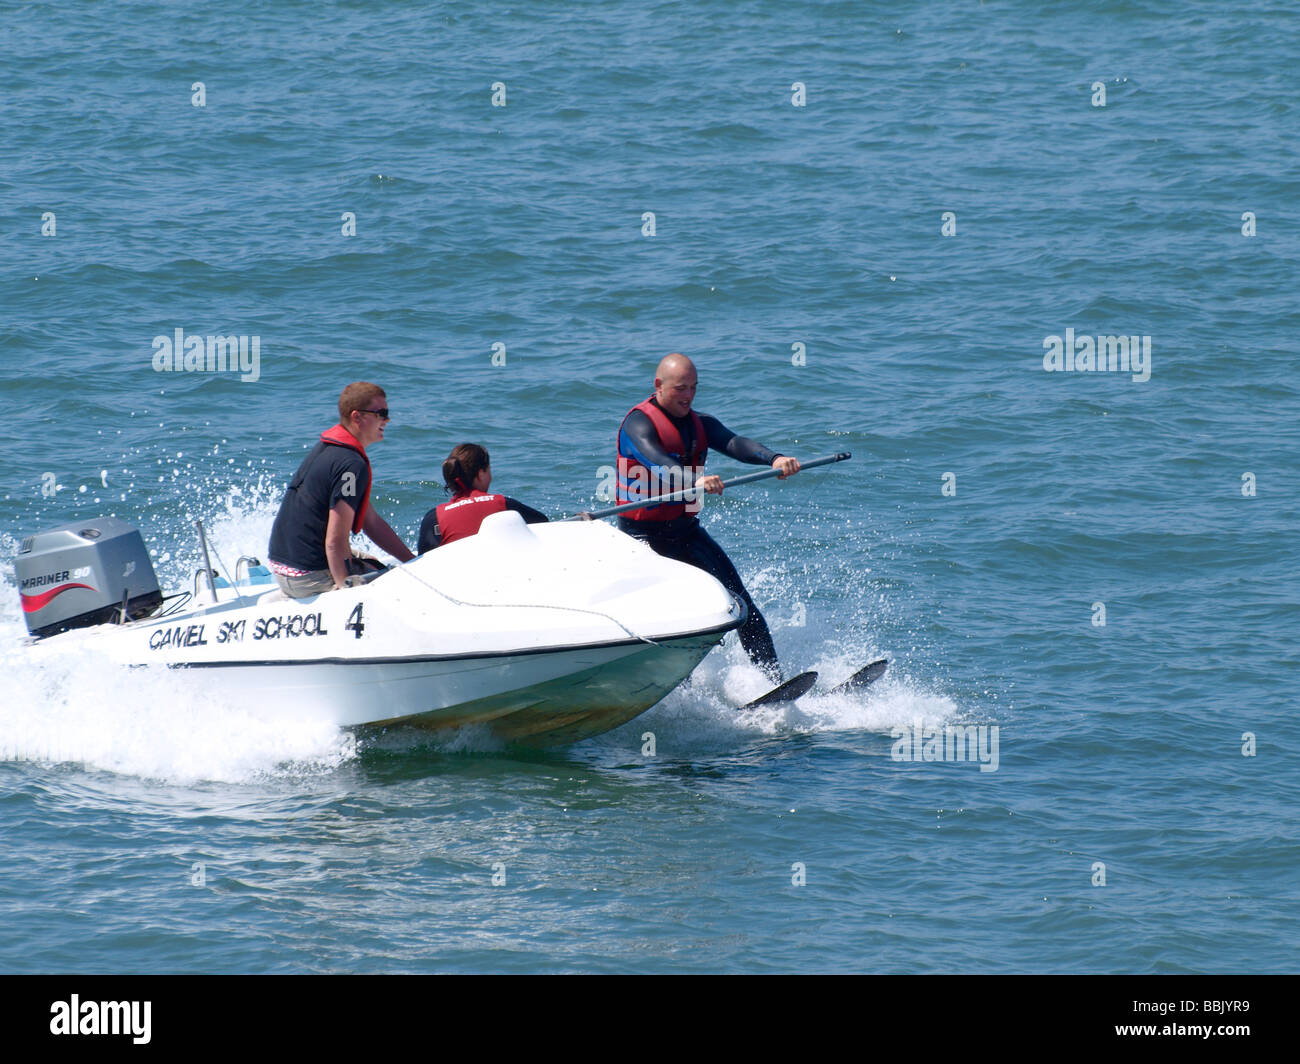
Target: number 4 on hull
{"points": [[355, 623]]}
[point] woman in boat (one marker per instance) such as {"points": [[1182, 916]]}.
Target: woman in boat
{"points": [[467, 475]]}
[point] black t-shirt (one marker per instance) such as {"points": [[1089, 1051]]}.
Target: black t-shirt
{"points": [[328, 475]]}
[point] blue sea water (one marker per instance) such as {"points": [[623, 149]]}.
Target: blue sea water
{"points": [[993, 511]]}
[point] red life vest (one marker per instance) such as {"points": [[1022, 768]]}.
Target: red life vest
{"points": [[343, 438], [632, 475], [462, 516]]}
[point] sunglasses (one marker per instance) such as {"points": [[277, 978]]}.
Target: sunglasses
{"points": [[381, 413]]}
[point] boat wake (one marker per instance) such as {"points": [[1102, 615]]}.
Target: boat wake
{"points": [[70, 711], [67, 710]]}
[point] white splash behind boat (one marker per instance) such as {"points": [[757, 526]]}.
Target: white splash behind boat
{"points": [[544, 634]]}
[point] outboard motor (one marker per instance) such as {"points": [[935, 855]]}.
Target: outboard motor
{"points": [[80, 575]]}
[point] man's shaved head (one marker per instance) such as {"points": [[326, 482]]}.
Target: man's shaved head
{"points": [[673, 364], [675, 381]]}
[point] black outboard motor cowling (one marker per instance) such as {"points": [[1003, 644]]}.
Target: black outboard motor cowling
{"points": [[77, 575]]}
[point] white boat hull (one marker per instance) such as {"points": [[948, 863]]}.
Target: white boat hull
{"points": [[552, 697], [543, 635]]}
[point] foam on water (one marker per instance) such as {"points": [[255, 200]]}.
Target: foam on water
{"points": [[148, 722], [702, 713], [154, 723]]}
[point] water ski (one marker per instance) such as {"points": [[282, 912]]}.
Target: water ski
{"points": [[868, 674], [787, 692]]}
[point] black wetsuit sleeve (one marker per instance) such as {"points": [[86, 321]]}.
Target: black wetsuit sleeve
{"points": [[430, 537], [530, 516], [648, 450], [741, 448]]}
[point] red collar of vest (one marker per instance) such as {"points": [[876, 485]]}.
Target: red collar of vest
{"points": [[669, 434], [338, 434], [343, 438]]}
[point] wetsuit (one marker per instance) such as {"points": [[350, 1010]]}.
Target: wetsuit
{"points": [[464, 513], [682, 537]]}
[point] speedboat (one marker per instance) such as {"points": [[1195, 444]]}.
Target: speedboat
{"points": [[542, 634]]}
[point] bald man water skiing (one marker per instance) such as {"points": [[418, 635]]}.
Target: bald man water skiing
{"points": [[662, 445]]}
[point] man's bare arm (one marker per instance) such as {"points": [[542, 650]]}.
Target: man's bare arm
{"points": [[338, 545], [377, 529]]}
